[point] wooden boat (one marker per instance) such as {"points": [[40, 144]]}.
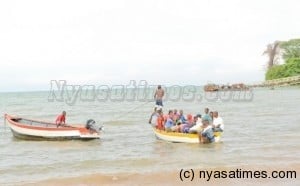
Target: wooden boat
{"points": [[211, 88], [181, 137], [239, 86], [233, 87], [33, 129]]}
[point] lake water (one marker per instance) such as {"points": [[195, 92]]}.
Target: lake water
{"points": [[264, 131]]}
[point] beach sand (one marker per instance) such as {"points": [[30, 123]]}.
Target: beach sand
{"points": [[173, 178]]}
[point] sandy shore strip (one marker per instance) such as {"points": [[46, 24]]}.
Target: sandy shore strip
{"points": [[173, 178]]}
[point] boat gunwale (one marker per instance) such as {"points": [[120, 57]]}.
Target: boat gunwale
{"points": [[180, 134], [175, 134], [28, 126], [178, 137]]}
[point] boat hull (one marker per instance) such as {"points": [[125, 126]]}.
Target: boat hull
{"points": [[177, 137], [37, 130], [44, 138]]}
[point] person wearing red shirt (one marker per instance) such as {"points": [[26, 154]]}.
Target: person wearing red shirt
{"points": [[61, 119], [160, 120]]}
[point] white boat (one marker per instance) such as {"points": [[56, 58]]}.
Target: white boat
{"points": [[33, 129]]}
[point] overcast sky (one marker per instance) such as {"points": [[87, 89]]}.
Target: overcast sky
{"points": [[163, 42]]}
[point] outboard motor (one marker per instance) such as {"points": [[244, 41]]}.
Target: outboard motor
{"points": [[91, 125]]}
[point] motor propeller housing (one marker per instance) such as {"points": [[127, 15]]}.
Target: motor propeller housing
{"points": [[91, 125]]}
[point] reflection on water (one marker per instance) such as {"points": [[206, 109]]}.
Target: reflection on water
{"points": [[264, 131]]}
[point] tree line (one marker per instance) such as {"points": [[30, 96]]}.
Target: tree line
{"points": [[289, 51]]}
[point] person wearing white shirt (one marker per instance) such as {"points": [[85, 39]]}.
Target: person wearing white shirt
{"points": [[218, 124], [198, 125], [154, 116]]}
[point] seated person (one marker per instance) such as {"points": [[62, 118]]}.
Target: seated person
{"points": [[175, 116], [170, 114], [169, 125], [218, 125], [181, 116], [207, 134], [188, 124], [177, 125], [206, 115], [211, 114], [197, 124]]}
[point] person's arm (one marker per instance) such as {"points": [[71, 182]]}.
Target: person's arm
{"points": [[210, 135], [220, 123], [150, 119], [163, 93], [183, 119], [57, 120], [155, 94]]}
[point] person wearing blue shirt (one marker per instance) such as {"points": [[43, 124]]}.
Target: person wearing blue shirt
{"points": [[181, 117], [169, 125], [207, 134], [206, 115]]}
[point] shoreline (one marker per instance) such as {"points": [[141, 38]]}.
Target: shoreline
{"points": [[173, 178]]}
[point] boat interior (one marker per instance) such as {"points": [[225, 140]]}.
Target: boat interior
{"points": [[34, 123]]}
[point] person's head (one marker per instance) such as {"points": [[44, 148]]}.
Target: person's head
{"points": [[195, 119], [159, 87], [205, 123], [159, 111], [189, 117], [175, 111], [155, 109], [199, 115], [181, 112], [211, 114], [215, 114], [206, 110], [170, 112], [64, 113]]}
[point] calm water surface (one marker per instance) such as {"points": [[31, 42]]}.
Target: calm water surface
{"points": [[264, 131]]}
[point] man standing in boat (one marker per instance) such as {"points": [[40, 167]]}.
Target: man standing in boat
{"points": [[61, 119], [158, 96]]}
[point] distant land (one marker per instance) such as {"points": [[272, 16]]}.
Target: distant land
{"points": [[286, 51]]}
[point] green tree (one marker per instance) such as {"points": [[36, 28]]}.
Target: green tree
{"points": [[290, 68], [293, 66], [291, 49], [275, 72], [291, 54]]}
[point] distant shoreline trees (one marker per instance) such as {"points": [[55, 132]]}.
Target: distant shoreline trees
{"points": [[290, 52]]}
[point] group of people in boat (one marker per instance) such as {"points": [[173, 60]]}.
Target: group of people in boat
{"points": [[175, 121]]}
